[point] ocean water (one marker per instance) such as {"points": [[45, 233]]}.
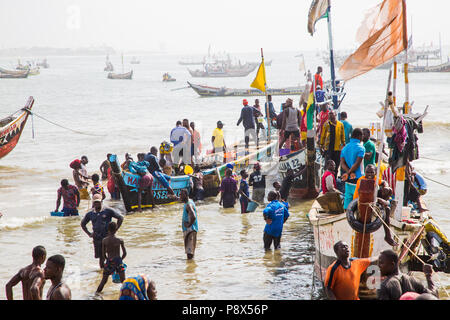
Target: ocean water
{"points": [[119, 116]]}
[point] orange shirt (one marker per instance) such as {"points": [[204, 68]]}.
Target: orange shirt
{"points": [[356, 194], [345, 282]]}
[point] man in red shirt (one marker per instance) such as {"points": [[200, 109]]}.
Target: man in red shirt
{"points": [[343, 275], [71, 197], [318, 79]]}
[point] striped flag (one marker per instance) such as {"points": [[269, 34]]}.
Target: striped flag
{"points": [[317, 11]]}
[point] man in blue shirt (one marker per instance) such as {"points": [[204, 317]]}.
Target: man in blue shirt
{"points": [[347, 127], [275, 215], [272, 113], [352, 158], [100, 216]]}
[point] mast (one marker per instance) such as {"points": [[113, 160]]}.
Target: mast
{"points": [[269, 139], [333, 74]]}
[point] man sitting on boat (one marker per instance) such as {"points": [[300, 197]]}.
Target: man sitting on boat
{"points": [[329, 179], [155, 169]]}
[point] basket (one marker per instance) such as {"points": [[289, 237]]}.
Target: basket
{"points": [[251, 206], [57, 214]]}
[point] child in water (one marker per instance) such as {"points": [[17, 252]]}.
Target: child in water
{"points": [[111, 261], [244, 192]]}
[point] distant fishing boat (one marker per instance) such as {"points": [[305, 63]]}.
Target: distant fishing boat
{"points": [[135, 61], [43, 64], [206, 91], [11, 128], [444, 67], [224, 71], [12, 74], [128, 75], [168, 78]]}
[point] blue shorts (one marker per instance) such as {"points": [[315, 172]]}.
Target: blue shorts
{"points": [[70, 212], [162, 178]]}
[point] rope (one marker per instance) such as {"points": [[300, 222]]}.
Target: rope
{"points": [[442, 184], [376, 211], [61, 126]]}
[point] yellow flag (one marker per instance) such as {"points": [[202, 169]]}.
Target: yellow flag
{"points": [[260, 79]]}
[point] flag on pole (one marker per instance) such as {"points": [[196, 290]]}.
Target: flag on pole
{"points": [[383, 35], [317, 11], [311, 106], [260, 79]]}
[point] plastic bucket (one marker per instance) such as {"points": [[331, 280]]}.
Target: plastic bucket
{"points": [[251, 206], [115, 275], [349, 191], [57, 214]]}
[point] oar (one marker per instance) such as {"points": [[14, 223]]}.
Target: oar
{"points": [[180, 88]]}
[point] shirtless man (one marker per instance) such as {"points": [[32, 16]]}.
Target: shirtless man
{"points": [[54, 271], [111, 253], [32, 277]]}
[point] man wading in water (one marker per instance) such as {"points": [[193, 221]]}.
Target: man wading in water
{"points": [[54, 271], [32, 277], [189, 224]]}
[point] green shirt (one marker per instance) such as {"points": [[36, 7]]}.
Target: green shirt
{"points": [[370, 147]]}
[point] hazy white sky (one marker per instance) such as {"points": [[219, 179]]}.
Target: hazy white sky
{"points": [[190, 26]]}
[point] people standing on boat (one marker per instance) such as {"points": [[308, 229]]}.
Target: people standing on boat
{"points": [[291, 124], [191, 142], [104, 167], [329, 179], [352, 156], [332, 139], [196, 144], [320, 97], [309, 76], [258, 181], [189, 224], [415, 188], [31, 276], [244, 192], [218, 141], [198, 191], [371, 151], [259, 120], [126, 163], [272, 114], [317, 79], [397, 283], [181, 139], [100, 216], [155, 169], [343, 276], [97, 188], [228, 190], [165, 152], [111, 260], [322, 118], [53, 271], [348, 128], [248, 120], [71, 198], [275, 214]]}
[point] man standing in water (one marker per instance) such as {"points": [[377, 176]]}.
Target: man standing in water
{"points": [[71, 197], [275, 215], [189, 224], [54, 271], [104, 167], [100, 216], [32, 277], [228, 190]]}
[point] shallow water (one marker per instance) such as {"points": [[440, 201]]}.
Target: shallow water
{"points": [[121, 116]]}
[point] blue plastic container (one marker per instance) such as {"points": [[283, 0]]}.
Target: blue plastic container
{"points": [[349, 191], [115, 275], [251, 206], [57, 214]]}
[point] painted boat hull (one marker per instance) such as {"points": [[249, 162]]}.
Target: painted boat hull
{"points": [[128, 75], [445, 67], [10, 131], [205, 91]]}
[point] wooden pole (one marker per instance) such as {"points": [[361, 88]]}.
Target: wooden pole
{"points": [[267, 100]]}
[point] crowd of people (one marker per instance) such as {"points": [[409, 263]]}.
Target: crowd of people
{"points": [[350, 156]]}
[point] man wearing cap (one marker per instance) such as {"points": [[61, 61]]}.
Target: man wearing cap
{"points": [[100, 216], [258, 181], [248, 121], [218, 140]]}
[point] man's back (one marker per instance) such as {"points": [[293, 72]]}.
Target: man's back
{"points": [[394, 286], [247, 117], [28, 275], [112, 246]]}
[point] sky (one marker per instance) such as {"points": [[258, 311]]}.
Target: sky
{"points": [[182, 26]]}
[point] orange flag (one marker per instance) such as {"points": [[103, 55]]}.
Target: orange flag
{"points": [[384, 35]]}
